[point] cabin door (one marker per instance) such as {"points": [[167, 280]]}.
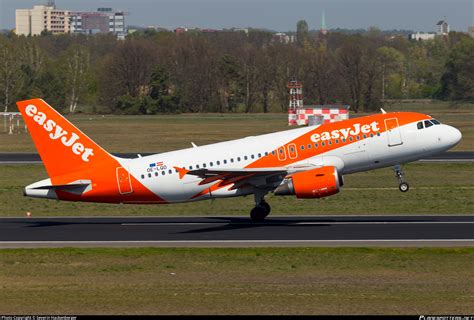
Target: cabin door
{"points": [[394, 135], [123, 180]]}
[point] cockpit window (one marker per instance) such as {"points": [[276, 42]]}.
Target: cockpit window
{"points": [[419, 125], [428, 124], [435, 121]]}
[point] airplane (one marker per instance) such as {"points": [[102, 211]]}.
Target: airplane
{"points": [[307, 162]]}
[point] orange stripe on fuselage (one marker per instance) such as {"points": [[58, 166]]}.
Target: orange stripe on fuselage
{"points": [[272, 160]]}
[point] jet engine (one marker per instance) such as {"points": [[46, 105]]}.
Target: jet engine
{"points": [[311, 184]]}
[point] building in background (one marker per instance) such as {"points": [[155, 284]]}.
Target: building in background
{"points": [[42, 18], [282, 37], [443, 27], [49, 18], [470, 31], [422, 36], [104, 20], [442, 30]]}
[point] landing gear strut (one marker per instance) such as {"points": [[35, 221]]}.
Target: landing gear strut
{"points": [[403, 186], [262, 208]]}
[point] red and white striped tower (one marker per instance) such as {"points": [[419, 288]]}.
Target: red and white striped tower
{"points": [[296, 100]]}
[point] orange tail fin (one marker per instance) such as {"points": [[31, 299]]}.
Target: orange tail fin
{"points": [[62, 147]]}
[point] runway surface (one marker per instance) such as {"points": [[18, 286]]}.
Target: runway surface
{"points": [[237, 231], [31, 158]]}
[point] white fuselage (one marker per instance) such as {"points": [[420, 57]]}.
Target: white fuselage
{"points": [[387, 148]]}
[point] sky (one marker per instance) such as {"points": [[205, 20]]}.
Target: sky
{"points": [[278, 15]]}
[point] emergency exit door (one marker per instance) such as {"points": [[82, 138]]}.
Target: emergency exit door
{"points": [[123, 181], [394, 135]]}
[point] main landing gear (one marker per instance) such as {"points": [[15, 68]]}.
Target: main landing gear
{"points": [[262, 208], [403, 186]]}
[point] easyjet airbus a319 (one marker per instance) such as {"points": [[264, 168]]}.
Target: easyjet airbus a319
{"points": [[307, 162]]}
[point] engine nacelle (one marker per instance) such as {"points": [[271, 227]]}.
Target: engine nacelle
{"points": [[311, 184]]}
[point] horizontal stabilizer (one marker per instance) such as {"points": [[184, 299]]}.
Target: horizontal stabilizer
{"points": [[44, 188]]}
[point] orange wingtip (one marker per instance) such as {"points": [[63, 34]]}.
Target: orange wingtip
{"points": [[182, 172]]}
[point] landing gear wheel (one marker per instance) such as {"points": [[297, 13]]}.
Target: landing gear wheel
{"points": [[404, 187], [267, 207], [258, 213]]}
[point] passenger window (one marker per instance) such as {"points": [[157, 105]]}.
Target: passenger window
{"points": [[245, 158], [350, 139], [365, 136], [259, 155], [322, 144], [419, 125], [163, 173], [252, 156], [378, 134], [170, 171], [143, 176], [315, 145], [428, 124], [309, 146], [190, 167], [371, 135], [273, 152], [343, 139], [232, 160], [329, 142], [197, 166], [149, 175], [156, 173], [357, 138], [218, 163], [238, 158], [266, 153], [225, 161], [337, 141], [292, 149], [302, 147]]}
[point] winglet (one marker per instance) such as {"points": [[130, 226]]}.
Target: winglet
{"points": [[182, 172]]}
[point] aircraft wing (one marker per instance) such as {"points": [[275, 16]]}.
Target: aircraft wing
{"points": [[258, 177]]}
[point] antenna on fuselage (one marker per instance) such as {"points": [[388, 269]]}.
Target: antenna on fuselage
{"points": [[383, 111], [194, 145]]}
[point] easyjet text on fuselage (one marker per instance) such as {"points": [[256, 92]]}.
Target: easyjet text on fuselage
{"points": [[344, 133]]}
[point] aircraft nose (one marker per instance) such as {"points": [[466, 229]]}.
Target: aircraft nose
{"points": [[453, 136]]}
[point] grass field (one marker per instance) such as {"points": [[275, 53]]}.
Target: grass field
{"points": [[237, 281], [170, 132], [436, 188]]}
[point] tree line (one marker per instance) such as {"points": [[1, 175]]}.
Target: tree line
{"points": [[163, 72]]}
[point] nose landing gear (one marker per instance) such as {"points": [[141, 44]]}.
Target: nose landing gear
{"points": [[403, 186]]}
